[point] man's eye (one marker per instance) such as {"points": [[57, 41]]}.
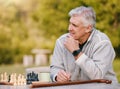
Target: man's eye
{"points": [[75, 25]]}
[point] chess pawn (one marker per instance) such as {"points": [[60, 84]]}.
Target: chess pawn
{"points": [[15, 76], [28, 78], [18, 82], [23, 80], [11, 78], [18, 79], [15, 82]]}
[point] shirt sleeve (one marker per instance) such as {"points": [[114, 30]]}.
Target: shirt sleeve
{"points": [[97, 66], [56, 62]]}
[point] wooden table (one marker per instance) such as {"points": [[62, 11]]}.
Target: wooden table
{"points": [[78, 86]]}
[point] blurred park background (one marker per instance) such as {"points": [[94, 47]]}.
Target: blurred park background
{"points": [[36, 24]]}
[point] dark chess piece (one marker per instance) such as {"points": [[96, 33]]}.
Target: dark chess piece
{"points": [[28, 79], [36, 77], [9, 78], [32, 77]]}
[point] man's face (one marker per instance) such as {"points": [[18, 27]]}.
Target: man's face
{"points": [[76, 27]]}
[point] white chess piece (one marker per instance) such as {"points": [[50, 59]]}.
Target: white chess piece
{"points": [[2, 79], [5, 77]]}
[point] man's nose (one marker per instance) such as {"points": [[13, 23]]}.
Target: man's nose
{"points": [[70, 27]]}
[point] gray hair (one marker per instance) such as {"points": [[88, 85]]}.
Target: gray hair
{"points": [[87, 13]]}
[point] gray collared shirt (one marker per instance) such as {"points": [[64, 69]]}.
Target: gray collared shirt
{"points": [[95, 62]]}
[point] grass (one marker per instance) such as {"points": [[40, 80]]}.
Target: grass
{"points": [[17, 68], [20, 69]]}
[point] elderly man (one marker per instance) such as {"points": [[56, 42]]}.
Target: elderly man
{"points": [[84, 53]]}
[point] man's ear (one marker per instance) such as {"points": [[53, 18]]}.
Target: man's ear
{"points": [[88, 29]]}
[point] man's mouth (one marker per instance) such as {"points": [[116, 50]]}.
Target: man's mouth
{"points": [[72, 34]]}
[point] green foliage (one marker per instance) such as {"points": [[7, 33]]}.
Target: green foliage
{"points": [[54, 19], [116, 65], [5, 48], [38, 23]]}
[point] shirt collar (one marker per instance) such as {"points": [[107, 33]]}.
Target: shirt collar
{"points": [[90, 37]]}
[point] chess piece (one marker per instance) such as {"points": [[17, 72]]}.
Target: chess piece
{"points": [[23, 80], [2, 79], [9, 78], [32, 77], [5, 77]]}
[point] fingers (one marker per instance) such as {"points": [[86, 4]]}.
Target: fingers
{"points": [[71, 44], [62, 76], [69, 36]]}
